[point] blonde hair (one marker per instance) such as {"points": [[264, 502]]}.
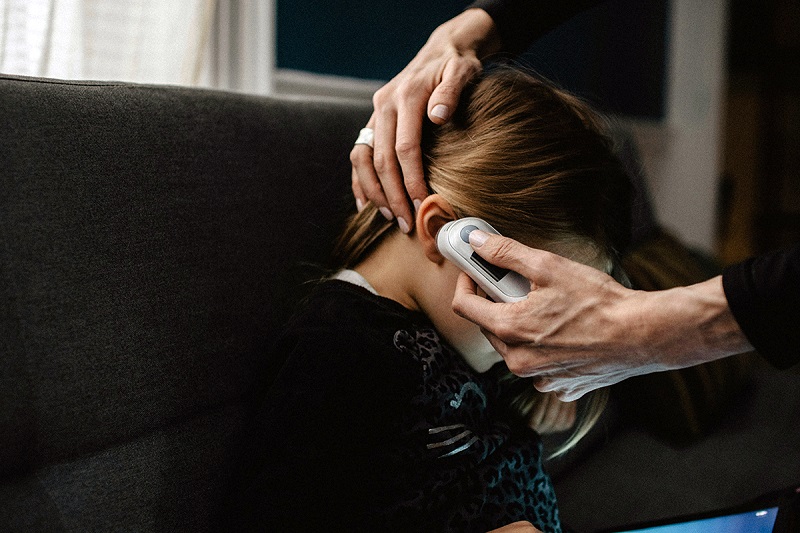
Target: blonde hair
{"points": [[534, 162]]}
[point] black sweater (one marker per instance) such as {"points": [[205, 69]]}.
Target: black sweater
{"points": [[376, 424]]}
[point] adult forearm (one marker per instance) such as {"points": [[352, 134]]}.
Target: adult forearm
{"points": [[685, 326]]}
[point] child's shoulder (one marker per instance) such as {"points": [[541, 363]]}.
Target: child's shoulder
{"points": [[340, 321], [345, 306], [344, 335]]}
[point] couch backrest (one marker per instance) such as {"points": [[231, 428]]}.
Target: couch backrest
{"points": [[149, 238]]}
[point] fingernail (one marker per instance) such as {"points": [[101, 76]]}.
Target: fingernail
{"points": [[478, 238], [387, 213], [403, 224], [440, 111], [417, 203], [359, 205]]}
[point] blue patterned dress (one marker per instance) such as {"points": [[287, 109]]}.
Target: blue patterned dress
{"points": [[376, 424]]}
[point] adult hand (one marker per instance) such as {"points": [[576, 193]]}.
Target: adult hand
{"points": [[580, 330], [517, 527], [431, 84]]}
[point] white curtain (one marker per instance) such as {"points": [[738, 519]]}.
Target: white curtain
{"points": [[241, 50], [146, 41]]}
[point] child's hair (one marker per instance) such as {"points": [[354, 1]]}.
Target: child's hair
{"points": [[534, 162]]}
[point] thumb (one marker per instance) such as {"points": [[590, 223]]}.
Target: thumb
{"points": [[507, 253], [444, 98], [443, 102]]}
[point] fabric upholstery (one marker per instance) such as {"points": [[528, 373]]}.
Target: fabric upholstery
{"points": [[149, 238]]}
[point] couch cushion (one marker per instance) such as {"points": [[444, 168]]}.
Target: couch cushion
{"points": [[148, 237], [172, 479]]}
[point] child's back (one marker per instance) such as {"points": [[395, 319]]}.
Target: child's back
{"points": [[377, 424]]}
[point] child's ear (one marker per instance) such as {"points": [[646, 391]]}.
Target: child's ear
{"points": [[433, 213]]}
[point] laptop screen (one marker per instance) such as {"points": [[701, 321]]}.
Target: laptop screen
{"points": [[761, 521]]}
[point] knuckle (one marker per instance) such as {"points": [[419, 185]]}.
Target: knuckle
{"points": [[548, 261], [449, 90], [380, 161], [406, 90], [515, 363], [362, 163], [357, 156], [381, 97], [504, 250], [406, 147]]}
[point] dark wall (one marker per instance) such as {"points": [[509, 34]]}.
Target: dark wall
{"points": [[613, 54]]}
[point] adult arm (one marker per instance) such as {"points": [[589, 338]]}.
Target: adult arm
{"points": [[391, 172], [580, 330]]}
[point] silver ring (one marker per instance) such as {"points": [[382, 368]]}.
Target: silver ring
{"points": [[365, 137]]}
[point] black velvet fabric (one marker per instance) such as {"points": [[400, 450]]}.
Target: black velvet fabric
{"points": [[149, 238]]}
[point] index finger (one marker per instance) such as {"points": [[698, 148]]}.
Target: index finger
{"points": [[408, 146], [536, 265]]}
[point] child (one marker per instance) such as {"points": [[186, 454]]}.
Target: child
{"points": [[392, 413]]}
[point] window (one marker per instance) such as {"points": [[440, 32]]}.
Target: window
{"points": [[225, 44]]}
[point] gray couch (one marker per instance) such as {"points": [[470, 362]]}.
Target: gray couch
{"points": [[152, 239]]}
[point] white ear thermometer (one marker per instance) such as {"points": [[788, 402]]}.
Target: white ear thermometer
{"points": [[500, 284]]}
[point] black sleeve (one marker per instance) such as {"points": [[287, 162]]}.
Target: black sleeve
{"points": [[520, 22], [764, 296]]}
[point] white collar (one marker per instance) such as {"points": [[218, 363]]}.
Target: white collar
{"points": [[351, 276]]}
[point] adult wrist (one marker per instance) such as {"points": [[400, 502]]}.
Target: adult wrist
{"points": [[475, 30], [692, 325], [720, 329]]}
